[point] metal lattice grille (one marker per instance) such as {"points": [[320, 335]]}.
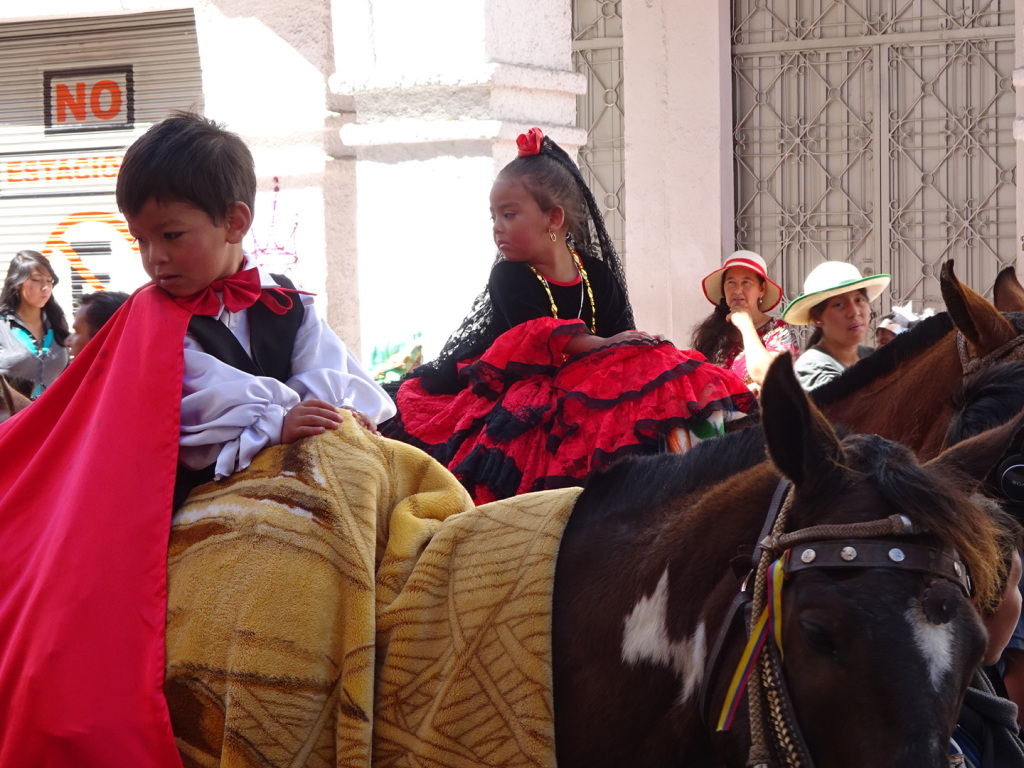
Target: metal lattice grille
{"points": [[805, 165], [597, 54], [790, 21], [860, 136], [952, 163]]}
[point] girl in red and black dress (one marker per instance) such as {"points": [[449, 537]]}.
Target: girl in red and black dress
{"points": [[547, 380]]}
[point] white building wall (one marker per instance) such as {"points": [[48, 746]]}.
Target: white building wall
{"points": [[439, 93]]}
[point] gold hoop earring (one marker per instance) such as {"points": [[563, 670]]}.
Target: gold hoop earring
{"points": [[553, 236]]}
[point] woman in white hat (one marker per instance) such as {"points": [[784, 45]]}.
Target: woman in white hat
{"points": [[739, 334], [837, 300]]}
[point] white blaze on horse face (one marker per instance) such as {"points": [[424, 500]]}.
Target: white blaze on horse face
{"points": [[645, 638], [935, 641]]}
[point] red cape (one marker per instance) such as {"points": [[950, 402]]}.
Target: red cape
{"points": [[86, 482]]}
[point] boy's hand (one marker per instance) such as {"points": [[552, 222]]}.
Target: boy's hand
{"points": [[362, 419], [310, 417]]}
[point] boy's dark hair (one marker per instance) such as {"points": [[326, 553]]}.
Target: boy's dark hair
{"points": [[191, 159], [101, 306]]}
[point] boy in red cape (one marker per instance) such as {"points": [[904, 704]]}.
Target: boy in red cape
{"points": [[192, 377]]}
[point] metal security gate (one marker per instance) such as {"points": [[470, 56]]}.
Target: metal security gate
{"points": [[877, 132], [597, 53]]}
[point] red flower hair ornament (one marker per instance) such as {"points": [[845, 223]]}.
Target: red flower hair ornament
{"points": [[529, 142]]}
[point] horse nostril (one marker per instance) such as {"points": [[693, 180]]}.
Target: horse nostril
{"points": [[940, 601]]}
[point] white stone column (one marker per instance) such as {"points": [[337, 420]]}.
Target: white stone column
{"points": [[679, 193], [439, 93]]}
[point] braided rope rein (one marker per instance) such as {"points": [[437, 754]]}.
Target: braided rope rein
{"points": [[760, 754]]}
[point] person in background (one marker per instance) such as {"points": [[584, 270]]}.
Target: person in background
{"points": [[837, 301], [889, 327], [94, 309], [988, 399], [739, 334], [986, 732], [900, 320], [33, 328]]}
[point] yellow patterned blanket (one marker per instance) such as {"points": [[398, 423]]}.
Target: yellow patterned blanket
{"points": [[329, 607]]}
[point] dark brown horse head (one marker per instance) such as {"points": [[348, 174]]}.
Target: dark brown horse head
{"points": [[877, 656], [850, 633]]}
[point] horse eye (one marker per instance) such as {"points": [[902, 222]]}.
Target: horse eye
{"points": [[819, 638]]}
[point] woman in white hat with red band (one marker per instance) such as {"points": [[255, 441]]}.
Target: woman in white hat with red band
{"points": [[837, 300], [739, 334]]}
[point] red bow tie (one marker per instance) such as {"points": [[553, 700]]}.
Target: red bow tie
{"points": [[238, 291]]}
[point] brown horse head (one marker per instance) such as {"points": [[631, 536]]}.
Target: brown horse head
{"points": [[877, 657], [982, 324], [925, 650]]}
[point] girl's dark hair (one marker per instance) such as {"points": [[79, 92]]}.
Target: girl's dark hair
{"points": [[716, 337], [20, 270], [553, 179], [188, 158]]}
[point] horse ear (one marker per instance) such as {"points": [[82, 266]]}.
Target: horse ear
{"points": [[800, 440], [1008, 294], [975, 457], [980, 322]]}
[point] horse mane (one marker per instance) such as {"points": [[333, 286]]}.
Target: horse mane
{"points": [[990, 398], [649, 482], [884, 361], [937, 502]]}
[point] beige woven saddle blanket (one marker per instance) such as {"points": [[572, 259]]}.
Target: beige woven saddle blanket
{"points": [[341, 603]]}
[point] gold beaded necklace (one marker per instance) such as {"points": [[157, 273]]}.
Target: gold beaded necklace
{"points": [[585, 286]]}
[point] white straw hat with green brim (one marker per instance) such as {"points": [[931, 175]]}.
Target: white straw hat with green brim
{"points": [[829, 279]]}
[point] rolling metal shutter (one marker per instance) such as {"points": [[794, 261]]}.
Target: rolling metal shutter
{"points": [[74, 92]]}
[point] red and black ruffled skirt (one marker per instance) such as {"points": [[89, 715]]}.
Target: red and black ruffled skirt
{"points": [[530, 418]]}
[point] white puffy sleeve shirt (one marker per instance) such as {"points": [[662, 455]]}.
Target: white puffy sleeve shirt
{"points": [[228, 416]]}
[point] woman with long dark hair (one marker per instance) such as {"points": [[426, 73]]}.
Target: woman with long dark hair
{"points": [[740, 334], [33, 327]]}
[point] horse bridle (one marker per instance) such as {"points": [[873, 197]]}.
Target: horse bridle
{"points": [[969, 365], [843, 546]]}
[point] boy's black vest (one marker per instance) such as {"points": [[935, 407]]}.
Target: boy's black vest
{"points": [[272, 340]]}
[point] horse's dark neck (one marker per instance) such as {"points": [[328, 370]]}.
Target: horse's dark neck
{"points": [[886, 360]]}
